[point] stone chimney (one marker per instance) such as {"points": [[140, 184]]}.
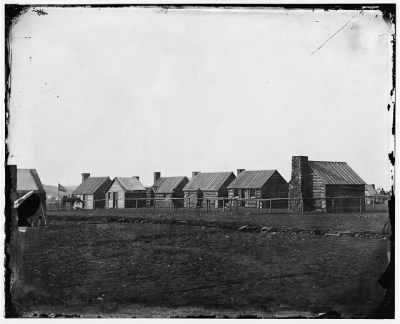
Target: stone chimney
{"points": [[240, 171], [299, 184], [157, 175], [195, 173], [85, 176], [137, 177]]}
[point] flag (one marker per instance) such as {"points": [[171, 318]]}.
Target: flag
{"points": [[61, 188]]}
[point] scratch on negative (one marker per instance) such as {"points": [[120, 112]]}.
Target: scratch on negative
{"points": [[40, 12], [334, 34]]}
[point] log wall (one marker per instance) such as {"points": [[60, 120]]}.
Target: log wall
{"points": [[352, 198], [193, 199]]}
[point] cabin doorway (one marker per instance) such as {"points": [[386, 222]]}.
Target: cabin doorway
{"points": [[115, 199], [242, 197], [199, 199]]}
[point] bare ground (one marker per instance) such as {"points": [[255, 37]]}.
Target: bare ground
{"points": [[176, 264]]}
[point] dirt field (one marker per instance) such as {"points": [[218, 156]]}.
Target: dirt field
{"points": [[151, 264]]}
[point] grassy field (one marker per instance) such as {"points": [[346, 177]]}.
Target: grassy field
{"points": [[142, 263]]}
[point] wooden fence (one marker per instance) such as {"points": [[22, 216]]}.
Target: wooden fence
{"points": [[272, 205]]}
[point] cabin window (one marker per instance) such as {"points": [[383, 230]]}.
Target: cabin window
{"points": [[252, 192]]}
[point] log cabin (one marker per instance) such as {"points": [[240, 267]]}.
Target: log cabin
{"points": [[251, 186], [325, 186], [207, 186], [125, 192], [166, 191], [92, 191]]}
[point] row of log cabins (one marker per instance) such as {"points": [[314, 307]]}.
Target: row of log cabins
{"points": [[312, 186]]}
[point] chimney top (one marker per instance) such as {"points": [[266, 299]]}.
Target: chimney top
{"points": [[157, 175], [137, 177], [85, 175], [240, 171], [195, 173]]}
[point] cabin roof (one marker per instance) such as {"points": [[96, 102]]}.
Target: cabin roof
{"points": [[212, 181], [130, 184], [251, 179], [90, 185], [167, 184], [335, 173], [28, 180], [370, 190]]}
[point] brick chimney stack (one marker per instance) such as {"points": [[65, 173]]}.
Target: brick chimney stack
{"points": [[85, 176], [240, 171], [157, 175], [298, 187]]}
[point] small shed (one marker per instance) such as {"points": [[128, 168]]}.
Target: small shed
{"points": [[167, 191], [28, 181], [207, 186], [125, 192], [325, 186], [92, 191], [370, 194], [259, 184]]}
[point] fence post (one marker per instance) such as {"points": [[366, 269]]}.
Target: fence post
{"points": [[270, 206], [223, 205]]}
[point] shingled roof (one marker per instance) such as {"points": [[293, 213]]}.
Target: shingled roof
{"points": [[167, 184], [90, 185], [212, 181], [28, 180], [335, 173], [251, 179], [130, 184]]}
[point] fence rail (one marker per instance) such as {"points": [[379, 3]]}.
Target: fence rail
{"points": [[223, 204]]}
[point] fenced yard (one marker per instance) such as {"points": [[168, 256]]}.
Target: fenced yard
{"points": [[187, 262]]}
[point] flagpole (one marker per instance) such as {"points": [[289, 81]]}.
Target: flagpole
{"points": [[58, 196]]}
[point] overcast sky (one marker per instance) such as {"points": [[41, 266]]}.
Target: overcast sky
{"points": [[130, 91]]}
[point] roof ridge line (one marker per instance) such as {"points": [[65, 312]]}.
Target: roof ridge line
{"points": [[327, 161], [259, 170]]}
